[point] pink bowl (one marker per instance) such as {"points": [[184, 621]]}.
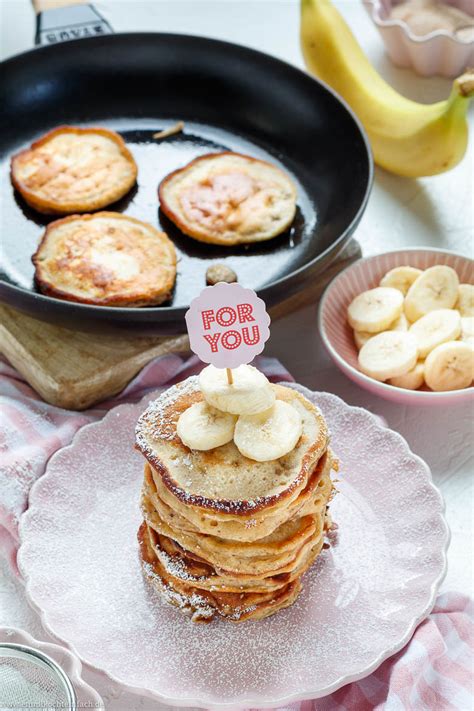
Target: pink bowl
{"points": [[366, 274]]}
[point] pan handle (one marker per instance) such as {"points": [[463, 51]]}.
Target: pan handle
{"points": [[64, 20], [42, 5]]}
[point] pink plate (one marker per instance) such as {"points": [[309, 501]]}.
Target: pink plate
{"points": [[366, 274], [361, 601]]}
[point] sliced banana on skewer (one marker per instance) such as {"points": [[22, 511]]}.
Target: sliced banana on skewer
{"points": [[203, 427], [436, 288], [375, 310], [465, 302], [412, 380], [435, 328], [249, 393], [401, 278], [388, 355], [450, 366], [268, 435]]}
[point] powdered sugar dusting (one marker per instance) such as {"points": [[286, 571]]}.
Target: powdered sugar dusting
{"points": [[154, 423], [217, 480], [359, 601], [194, 605], [175, 566], [240, 612]]}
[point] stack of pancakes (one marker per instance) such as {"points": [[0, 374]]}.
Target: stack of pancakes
{"points": [[224, 535]]}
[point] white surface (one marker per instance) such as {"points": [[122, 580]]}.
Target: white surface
{"points": [[402, 212]]}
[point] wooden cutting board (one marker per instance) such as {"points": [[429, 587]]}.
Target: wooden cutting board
{"points": [[74, 370]]}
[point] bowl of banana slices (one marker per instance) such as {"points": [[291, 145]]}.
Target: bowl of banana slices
{"points": [[401, 325]]}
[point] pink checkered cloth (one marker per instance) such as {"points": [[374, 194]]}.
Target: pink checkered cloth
{"points": [[31, 430], [432, 673]]}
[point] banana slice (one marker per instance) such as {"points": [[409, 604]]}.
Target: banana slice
{"points": [[467, 329], [374, 310], [400, 324], [465, 302], [249, 394], [435, 328], [401, 278], [361, 337], [412, 380], [203, 427], [436, 288], [450, 366], [388, 355], [268, 435]]}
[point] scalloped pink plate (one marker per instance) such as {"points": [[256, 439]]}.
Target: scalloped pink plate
{"points": [[361, 601]]}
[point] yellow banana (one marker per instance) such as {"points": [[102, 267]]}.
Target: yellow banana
{"points": [[407, 138]]}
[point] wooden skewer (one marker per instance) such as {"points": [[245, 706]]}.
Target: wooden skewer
{"points": [[230, 379]]}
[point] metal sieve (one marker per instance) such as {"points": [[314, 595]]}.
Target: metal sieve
{"points": [[31, 680]]}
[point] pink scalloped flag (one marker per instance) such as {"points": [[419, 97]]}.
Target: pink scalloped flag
{"points": [[227, 325]]}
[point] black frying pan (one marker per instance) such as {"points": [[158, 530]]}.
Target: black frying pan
{"points": [[230, 97]]}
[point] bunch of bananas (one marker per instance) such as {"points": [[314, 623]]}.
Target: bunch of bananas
{"points": [[407, 138]]}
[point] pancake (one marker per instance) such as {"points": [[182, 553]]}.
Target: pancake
{"points": [[70, 170], [204, 605], [284, 538], [242, 559], [255, 526], [229, 198], [221, 484], [106, 259], [225, 536], [195, 571]]}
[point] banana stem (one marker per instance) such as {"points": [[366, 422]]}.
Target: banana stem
{"points": [[464, 85], [461, 94]]}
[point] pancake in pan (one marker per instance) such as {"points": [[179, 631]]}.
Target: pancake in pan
{"points": [[106, 259], [229, 198], [70, 170]]}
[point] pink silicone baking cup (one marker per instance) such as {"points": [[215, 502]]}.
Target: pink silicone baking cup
{"points": [[438, 53], [366, 274]]}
